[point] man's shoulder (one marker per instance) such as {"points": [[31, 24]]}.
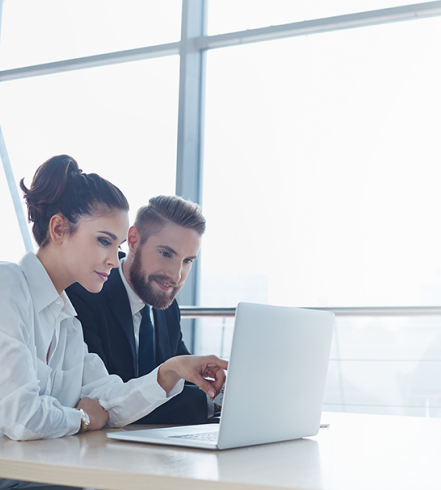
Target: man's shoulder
{"points": [[80, 296], [77, 289], [172, 314], [84, 302], [173, 308]]}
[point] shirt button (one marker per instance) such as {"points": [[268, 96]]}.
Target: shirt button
{"points": [[58, 301]]}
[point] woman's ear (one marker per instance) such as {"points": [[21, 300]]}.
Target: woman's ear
{"points": [[58, 228]]}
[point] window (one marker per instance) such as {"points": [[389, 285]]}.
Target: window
{"points": [[237, 15], [320, 160], [321, 169], [43, 31], [119, 121]]}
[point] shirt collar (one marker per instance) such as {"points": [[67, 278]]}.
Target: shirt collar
{"points": [[136, 303], [41, 287]]}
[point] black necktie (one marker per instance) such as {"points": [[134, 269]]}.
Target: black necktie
{"points": [[146, 351]]}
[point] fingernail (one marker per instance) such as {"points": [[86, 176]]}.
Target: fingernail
{"points": [[211, 393]]}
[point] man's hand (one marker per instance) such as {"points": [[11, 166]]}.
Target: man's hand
{"points": [[97, 415], [207, 372]]}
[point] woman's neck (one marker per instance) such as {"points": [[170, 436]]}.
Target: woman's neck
{"points": [[48, 256]]}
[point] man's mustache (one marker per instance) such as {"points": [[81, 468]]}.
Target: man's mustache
{"points": [[164, 280]]}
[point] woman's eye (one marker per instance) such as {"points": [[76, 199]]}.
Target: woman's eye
{"points": [[104, 241]]}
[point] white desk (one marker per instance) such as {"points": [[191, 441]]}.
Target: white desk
{"points": [[356, 452]]}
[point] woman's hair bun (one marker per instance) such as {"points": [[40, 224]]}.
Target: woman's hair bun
{"points": [[59, 186]]}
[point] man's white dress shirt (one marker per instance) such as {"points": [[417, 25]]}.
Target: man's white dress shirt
{"points": [[136, 305], [37, 397]]}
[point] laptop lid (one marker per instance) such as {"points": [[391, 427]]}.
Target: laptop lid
{"points": [[275, 383]]}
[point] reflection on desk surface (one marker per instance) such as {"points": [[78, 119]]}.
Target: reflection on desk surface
{"points": [[357, 452], [272, 464], [295, 457], [276, 464]]}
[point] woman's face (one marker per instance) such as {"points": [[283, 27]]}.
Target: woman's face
{"points": [[90, 253]]}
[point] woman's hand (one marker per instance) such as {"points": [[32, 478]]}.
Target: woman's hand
{"points": [[207, 372], [97, 415]]}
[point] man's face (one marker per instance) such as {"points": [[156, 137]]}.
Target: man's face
{"points": [[161, 266]]}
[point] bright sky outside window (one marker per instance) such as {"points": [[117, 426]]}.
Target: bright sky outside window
{"points": [[322, 163], [119, 121], [42, 31]]}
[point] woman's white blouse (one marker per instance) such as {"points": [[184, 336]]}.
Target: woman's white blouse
{"points": [[37, 398]]}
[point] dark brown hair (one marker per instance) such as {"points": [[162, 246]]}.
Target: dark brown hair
{"points": [[59, 186], [152, 218]]}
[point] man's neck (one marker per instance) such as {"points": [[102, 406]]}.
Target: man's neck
{"points": [[134, 299], [126, 268]]}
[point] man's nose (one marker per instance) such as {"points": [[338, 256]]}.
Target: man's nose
{"points": [[174, 271]]}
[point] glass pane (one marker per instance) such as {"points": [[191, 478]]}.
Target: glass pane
{"points": [[214, 336], [42, 31], [119, 121], [239, 15], [321, 170], [386, 365], [379, 364]]}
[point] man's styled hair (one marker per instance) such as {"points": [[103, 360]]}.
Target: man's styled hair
{"points": [[161, 210]]}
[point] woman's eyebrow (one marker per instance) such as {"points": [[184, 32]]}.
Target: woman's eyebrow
{"points": [[111, 235]]}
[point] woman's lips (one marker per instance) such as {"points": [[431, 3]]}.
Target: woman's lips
{"points": [[102, 275]]}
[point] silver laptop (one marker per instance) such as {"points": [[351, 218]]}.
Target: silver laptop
{"points": [[275, 382]]}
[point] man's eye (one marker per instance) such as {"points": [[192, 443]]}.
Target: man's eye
{"points": [[165, 254], [104, 241], [188, 261]]}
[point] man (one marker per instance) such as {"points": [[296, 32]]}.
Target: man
{"points": [[131, 338]]}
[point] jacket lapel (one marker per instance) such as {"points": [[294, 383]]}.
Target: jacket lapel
{"points": [[161, 337], [118, 303]]}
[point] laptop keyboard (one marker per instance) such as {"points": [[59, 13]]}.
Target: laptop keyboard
{"points": [[203, 436]]}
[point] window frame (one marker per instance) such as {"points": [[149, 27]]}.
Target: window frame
{"points": [[192, 49]]}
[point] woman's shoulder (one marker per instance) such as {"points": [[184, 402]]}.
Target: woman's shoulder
{"points": [[11, 271], [15, 300], [12, 279]]}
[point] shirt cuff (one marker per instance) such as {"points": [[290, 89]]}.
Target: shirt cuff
{"points": [[73, 420], [210, 408], [179, 386]]}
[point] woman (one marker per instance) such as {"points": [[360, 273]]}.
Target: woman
{"points": [[50, 386]]}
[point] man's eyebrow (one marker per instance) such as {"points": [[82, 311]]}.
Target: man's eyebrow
{"points": [[111, 235], [172, 251], [168, 248]]}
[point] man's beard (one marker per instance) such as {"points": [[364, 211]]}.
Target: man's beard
{"points": [[144, 288]]}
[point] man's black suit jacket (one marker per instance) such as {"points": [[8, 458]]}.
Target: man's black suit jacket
{"points": [[107, 323]]}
